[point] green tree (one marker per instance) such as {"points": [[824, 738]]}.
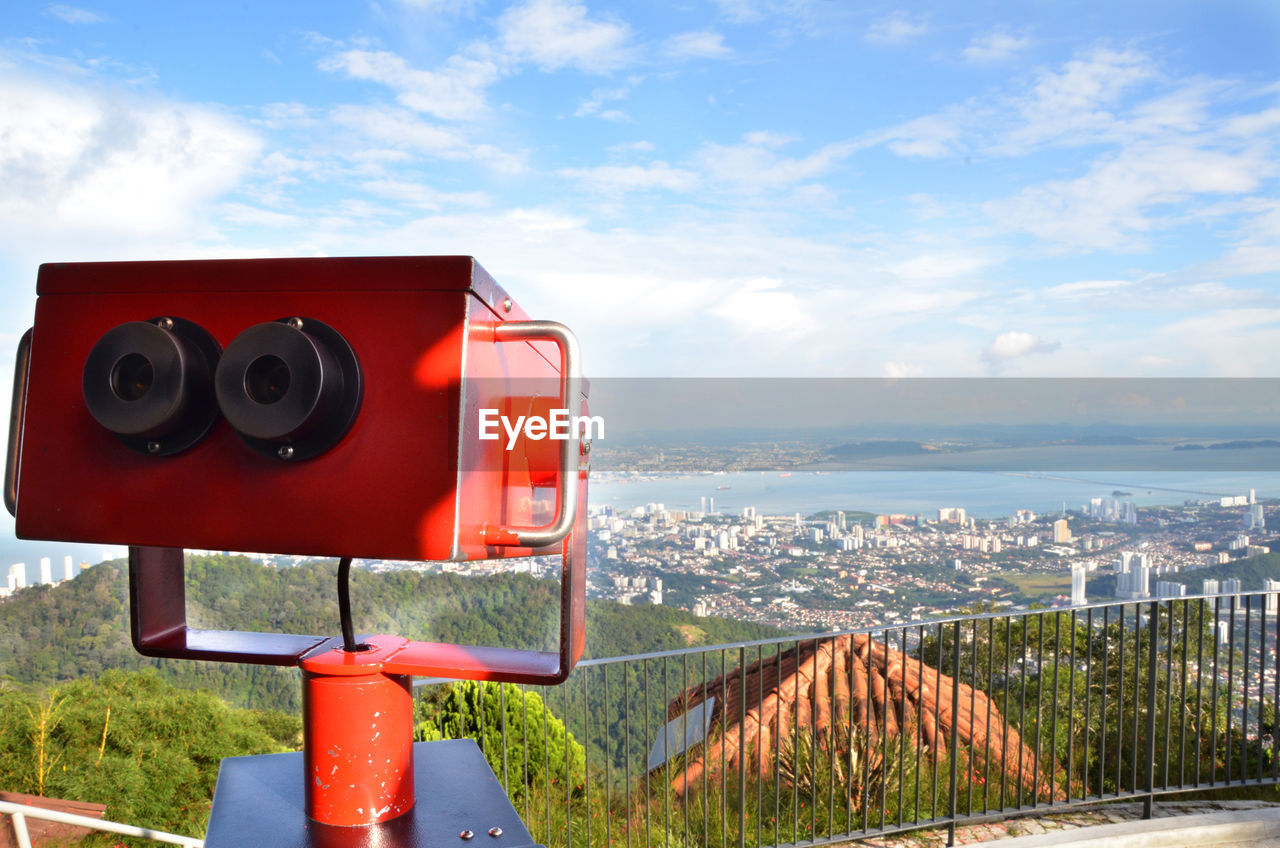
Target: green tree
{"points": [[146, 749], [539, 751]]}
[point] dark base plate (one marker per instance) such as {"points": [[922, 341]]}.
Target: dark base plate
{"points": [[258, 803]]}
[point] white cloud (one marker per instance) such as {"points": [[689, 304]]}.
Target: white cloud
{"points": [[400, 129], [422, 196], [279, 115], [1252, 126], [612, 178], [74, 14], [555, 34], [741, 11], [753, 11], [95, 165], [940, 266], [594, 104], [997, 45], [1257, 250], [1085, 101], [929, 136], [1087, 289], [451, 7], [640, 146], [1118, 201], [896, 28], [697, 45], [242, 215], [456, 92], [1015, 344], [1075, 104], [759, 309], [894, 370], [754, 165], [1226, 342]]}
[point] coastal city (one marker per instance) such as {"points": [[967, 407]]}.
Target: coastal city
{"points": [[838, 569], [842, 569]]}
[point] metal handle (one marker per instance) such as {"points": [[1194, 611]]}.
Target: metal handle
{"points": [[570, 393], [16, 409]]}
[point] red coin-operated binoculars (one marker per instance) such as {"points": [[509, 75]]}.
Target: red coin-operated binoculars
{"points": [[338, 407]]}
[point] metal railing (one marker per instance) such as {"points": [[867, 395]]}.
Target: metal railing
{"points": [[19, 813], [830, 737]]}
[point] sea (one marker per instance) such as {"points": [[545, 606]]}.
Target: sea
{"points": [[983, 494]]}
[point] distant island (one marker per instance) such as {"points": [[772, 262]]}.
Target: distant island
{"points": [[1236, 444]]}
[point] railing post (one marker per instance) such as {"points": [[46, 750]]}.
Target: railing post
{"points": [[742, 746], [955, 732], [1153, 635], [20, 829]]}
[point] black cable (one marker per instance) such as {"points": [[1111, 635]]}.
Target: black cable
{"points": [[344, 605]]}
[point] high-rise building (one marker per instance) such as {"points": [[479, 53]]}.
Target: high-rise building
{"points": [[1255, 518], [68, 568], [1272, 588], [1170, 589], [1133, 576], [1077, 585], [46, 571], [17, 576], [1061, 532]]}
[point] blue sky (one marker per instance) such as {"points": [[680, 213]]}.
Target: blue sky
{"points": [[729, 188]]}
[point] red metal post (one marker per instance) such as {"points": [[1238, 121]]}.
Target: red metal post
{"points": [[358, 738]]}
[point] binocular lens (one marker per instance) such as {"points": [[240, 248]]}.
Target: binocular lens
{"points": [[151, 384], [291, 388], [132, 376], [266, 380]]}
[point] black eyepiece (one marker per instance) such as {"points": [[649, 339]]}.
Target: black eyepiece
{"points": [[151, 384], [291, 388]]}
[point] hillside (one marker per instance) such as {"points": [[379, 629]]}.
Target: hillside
{"points": [[1251, 572], [81, 628]]}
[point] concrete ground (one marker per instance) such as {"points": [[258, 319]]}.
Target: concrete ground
{"points": [[1174, 824]]}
